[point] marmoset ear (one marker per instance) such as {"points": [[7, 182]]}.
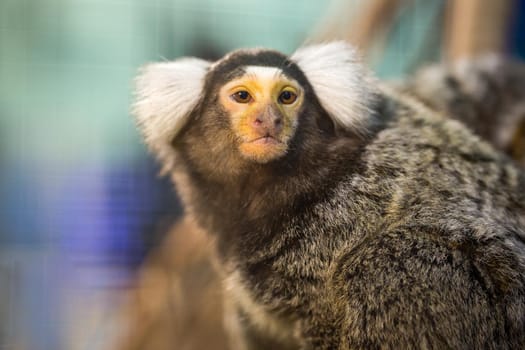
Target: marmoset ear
{"points": [[166, 94], [342, 84]]}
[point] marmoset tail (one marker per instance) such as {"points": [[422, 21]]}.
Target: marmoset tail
{"points": [[486, 93], [346, 215]]}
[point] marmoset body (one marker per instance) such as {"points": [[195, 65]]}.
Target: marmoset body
{"points": [[346, 215]]}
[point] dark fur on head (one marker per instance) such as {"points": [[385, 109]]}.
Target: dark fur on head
{"points": [[216, 156]]}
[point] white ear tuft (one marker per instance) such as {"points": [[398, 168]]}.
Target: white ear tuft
{"points": [[342, 84], [166, 93]]}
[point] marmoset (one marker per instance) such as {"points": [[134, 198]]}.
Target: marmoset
{"points": [[345, 215]]}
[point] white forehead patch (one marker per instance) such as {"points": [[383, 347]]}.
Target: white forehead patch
{"points": [[263, 73]]}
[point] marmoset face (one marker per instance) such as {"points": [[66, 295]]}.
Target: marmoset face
{"points": [[263, 106]]}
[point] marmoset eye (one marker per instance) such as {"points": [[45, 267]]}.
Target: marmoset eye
{"points": [[287, 97], [242, 96]]}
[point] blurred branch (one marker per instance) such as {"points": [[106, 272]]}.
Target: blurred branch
{"points": [[372, 20], [474, 27], [362, 26]]}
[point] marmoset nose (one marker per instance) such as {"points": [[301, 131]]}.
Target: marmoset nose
{"points": [[267, 124]]}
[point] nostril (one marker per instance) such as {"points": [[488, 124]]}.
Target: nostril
{"points": [[278, 122], [258, 121]]}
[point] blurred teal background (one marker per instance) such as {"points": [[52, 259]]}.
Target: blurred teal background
{"points": [[80, 202]]}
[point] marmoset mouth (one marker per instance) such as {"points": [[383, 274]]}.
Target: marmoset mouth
{"points": [[266, 140], [263, 149]]}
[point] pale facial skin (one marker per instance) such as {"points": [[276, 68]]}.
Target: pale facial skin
{"points": [[263, 106]]}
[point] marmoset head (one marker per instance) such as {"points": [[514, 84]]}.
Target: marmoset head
{"points": [[252, 106]]}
